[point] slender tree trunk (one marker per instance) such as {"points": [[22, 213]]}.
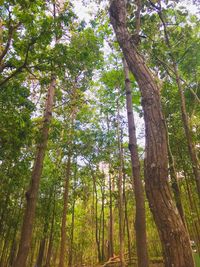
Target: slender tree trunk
{"points": [[96, 218], [111, 223], [120, 193], [12, 252], [188, 134], [31, 194], [191, 146], [5, 246], [103, 219], [63, 248], [126, 216], [111, 230], [140, 222], [193, 210], [50, 245], [72, 235], [41, 253], [174, 237]]}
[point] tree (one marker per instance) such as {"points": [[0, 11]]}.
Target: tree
{"points": [[140, 223], [174, 237]]}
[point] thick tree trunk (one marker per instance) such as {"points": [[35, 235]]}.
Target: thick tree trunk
{"points": [[140, 222], [31, 194], [174, 238], [63, 248], [175, 185]]}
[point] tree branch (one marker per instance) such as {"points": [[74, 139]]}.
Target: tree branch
{"points": [[19, 69], [10, 35]]}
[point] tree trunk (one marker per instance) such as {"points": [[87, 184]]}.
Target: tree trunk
{"points": [[140, 222], [96, 218], [103, 219], [191, 146], [72, 235], [41, 253], [31, 194], [187, 130], [63, 248], [111, 221], [174, 237], [126, 215], [111, 232], [175, 185], [50, 245], [120, 194]]}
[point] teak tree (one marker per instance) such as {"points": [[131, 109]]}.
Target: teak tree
{"points": [[174, 237]]}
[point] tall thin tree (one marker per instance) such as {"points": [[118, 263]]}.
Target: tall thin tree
{"points": [[140, 221]]}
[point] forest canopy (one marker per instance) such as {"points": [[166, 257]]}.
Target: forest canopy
{"points": [[99, 133]]}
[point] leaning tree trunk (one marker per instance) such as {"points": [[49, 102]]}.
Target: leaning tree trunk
{"points": [[31, 194], [174, 238], [140, 222]]}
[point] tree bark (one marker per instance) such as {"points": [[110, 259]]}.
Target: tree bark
{"points": [[103, 218], [41, 253], [120, 194], [111, 224], [126, 214], [72, 235], [111, 221], [174, 237], [140, 222], [96, 218], [31, 194], [175, 185], [50, 245], [63, 242]]}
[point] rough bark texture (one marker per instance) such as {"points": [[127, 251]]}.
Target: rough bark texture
{"points": [[174, 238], [140, 222], [31, 194], [175, 185]]}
